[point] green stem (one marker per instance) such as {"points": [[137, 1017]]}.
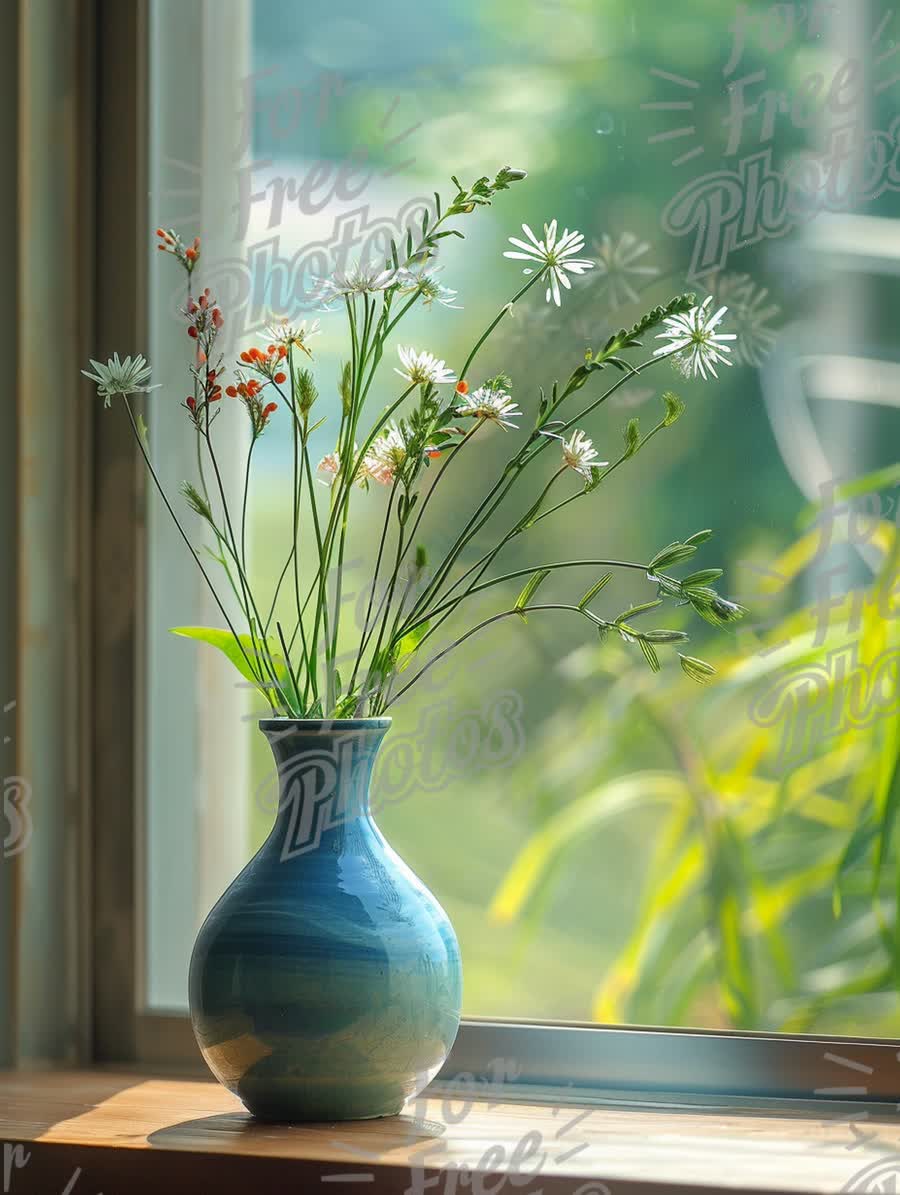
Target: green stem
{"points": [[244, 506], [514, 466], [366, 634], [259, 646], [193, 551], [499, 316], [521, 611], [452, 603]]}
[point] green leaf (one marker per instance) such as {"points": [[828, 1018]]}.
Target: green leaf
{"points": [[630, 339], [717, 611], [649, 654], [697, 670], [675, 873], [871, 483], [247, 660], [634, 611], [406, 647], [346, 705], [665, 636], [727, 886], [594, 590], [703, 576], [671, 554], [228, 645], [531, 588], [143, 430], [345, 383], [568, 827], [632, 437], [858, 848], [699, 537], [887, 802], [674, 408]]}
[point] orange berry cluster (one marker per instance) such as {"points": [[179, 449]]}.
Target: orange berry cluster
{"points": [[171, 242], [211, 392], [248, 390], [204, 316], [267, 362], [244, 389]]}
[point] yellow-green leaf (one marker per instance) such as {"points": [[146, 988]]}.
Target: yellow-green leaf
{"points": [[531, 588]]}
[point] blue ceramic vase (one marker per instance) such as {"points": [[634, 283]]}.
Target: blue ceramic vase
{"points": [[326, 983]]}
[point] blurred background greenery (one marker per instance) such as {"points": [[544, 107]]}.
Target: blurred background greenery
{"points": [[646, 853]]}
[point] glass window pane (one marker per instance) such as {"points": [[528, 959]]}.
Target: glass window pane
{"points": [[611, 843]]}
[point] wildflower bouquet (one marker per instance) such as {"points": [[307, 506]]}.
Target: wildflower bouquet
{"points": [[404, 448]]}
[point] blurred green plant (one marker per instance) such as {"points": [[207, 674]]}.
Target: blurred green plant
{"points": [[777, 815]]}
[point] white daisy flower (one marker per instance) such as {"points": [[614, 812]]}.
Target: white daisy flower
{"points": [[693, 342], [424, 282], [387, 454], [486, 404], [750, 313], [555, 255], [580, 454], [423, 367], [330, 464], [292, 334], [359, 279], [121, 377]]}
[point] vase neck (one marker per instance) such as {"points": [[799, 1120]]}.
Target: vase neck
{"points": [[324, 773]]}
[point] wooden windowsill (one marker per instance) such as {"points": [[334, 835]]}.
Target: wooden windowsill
{"points": [[125, 1134]]}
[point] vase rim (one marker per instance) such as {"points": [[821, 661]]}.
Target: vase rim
{"points": [[324, 725]]}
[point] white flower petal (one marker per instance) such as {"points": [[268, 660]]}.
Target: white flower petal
{"points": [[537, 244]]}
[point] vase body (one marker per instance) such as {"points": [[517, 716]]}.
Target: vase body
{"points": [[326, 983]]}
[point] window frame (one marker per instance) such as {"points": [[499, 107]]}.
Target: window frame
{"points": [[568, 1061]]}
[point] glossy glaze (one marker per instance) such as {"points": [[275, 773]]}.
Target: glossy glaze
{"points": [[326, 983]]}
